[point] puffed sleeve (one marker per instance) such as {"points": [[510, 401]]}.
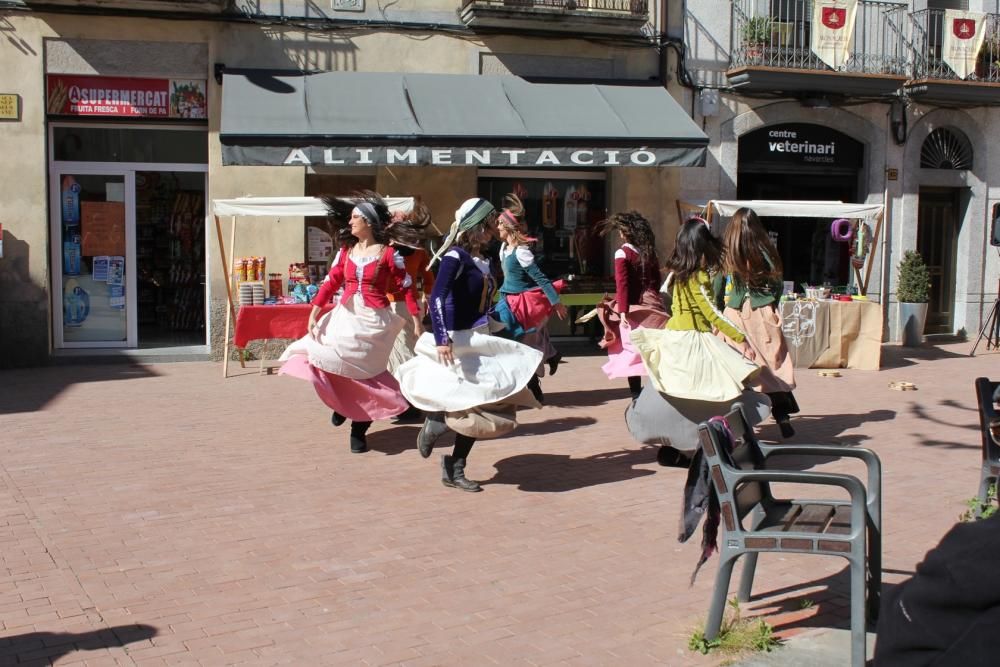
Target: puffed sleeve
{"points": [[403, 282]]}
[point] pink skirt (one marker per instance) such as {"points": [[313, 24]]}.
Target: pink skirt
{"points": [[359, 400], [623, 359], [532, 307]]}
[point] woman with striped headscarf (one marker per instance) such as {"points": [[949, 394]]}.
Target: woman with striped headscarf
{"points": [[465, 379], [345, 352]]}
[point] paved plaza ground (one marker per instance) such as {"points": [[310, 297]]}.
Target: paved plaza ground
{"points": [[159, 514]]}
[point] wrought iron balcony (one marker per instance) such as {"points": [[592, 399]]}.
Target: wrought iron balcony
{"points": [[593, 17], [928, 43], [776, 38], [935, 81]]}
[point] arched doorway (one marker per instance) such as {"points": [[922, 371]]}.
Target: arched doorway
{"points": [[802, 161]]}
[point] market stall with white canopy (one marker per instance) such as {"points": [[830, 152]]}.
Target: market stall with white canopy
{"points": [[824, 333], [276, 207]]}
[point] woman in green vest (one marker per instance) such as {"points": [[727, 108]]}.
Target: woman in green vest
{"points": [[751, 289]]}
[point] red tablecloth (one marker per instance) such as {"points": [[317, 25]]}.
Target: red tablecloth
{"points": [[284, 321]]}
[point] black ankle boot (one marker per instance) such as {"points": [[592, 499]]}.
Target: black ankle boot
{"points": [[359, 442], [433, 428], [453, 474], [554, 363], [337, 419], [786, 427], [536, 389]]}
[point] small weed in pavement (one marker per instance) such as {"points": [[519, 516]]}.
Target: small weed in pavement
{"points": [[988, 508], [737, 635]]}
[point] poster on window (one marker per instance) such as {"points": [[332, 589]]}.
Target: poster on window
{"points": [[102, 228], [832, 30], [961, 41]]}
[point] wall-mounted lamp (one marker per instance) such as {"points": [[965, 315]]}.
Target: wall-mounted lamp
{"points": [[897, 121], [218, 71]]}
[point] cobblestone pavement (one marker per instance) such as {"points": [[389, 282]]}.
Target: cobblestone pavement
{"points": [[162, 515]]}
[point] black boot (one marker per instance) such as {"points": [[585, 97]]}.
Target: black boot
{"points": [[536, 389], [553, 363], [359, 443], [433, 428], [453, 474], [337, 419], [785, 425]]}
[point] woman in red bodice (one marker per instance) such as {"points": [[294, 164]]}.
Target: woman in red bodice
{"points": [[345, 352]]}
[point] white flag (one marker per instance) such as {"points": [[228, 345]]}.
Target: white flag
{"points": [[832, 29], [963, 37]]}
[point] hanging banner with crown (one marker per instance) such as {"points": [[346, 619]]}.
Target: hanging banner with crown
{"points": [[963, 37], [832, 29]]}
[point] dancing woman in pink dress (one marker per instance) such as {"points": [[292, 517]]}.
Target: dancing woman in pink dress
{"points": [[637, 299], [345, 353]]}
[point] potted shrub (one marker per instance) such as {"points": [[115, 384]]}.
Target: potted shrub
{"points": [[756, 34], [912, 295]]}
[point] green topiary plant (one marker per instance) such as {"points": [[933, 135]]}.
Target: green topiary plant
{"points": [[914, 279]]}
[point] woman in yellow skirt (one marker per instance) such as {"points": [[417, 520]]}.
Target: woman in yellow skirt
{"points": [[685, 359]]}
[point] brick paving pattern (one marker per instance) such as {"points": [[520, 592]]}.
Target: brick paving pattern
{"points": [[160, 515]]}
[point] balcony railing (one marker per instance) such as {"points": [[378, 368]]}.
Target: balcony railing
{"points": [[777, 33], [928, 40], [628, 7]]}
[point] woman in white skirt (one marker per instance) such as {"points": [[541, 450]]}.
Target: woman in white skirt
{"points": [[464, 378], [345, 353]]}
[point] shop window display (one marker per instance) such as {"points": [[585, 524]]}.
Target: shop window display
{"points": [[170, 257], [92, 217], [563, 215]]}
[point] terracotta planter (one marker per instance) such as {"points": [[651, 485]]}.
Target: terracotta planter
{"points": [[912, 317]]}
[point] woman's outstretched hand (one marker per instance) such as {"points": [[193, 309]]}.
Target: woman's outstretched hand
{"points": [[444, 354]]}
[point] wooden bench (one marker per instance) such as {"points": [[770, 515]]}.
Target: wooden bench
{"points": [[850, 528]]}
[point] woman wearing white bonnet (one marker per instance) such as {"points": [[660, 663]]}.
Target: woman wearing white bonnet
{"points": [[465, 379]]}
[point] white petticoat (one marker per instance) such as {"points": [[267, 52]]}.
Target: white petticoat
{"points": [[487, 370], [352, 340], [692, 364]]}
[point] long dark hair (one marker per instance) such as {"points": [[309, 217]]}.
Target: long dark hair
{"points": [[751, 258], [407, 230], [696, 249], [634, 229]]}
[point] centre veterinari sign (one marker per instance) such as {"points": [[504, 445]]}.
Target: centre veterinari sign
{"points": [[796, 145], [787, 141]]}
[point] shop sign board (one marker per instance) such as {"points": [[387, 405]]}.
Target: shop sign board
{"points": [[77, 95], [801, 144], [443, 156], [10, 106]]}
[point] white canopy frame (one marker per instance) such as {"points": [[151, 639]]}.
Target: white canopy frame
{"points": [[276, 207], [806, 209]]}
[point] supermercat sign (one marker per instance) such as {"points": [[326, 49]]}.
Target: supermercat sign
{"points": [[366, 156]]}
